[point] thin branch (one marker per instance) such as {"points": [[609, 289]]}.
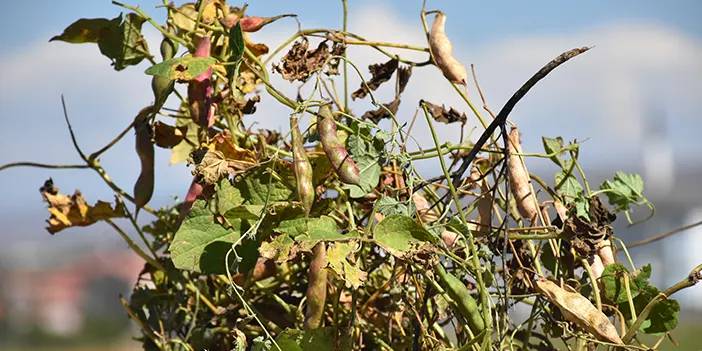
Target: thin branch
{"points": [[114, 141], [501, 118], [664, 235], [40, 165], [70, 130]]}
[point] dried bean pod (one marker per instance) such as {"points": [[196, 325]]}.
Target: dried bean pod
{"points": [[254, 23], [442, 51], [604, 251], [465, 303], [336, 152], [579, 310], [519, 180], [200, 89], [303, 168], [316, 288], [485, 209], [144, 186]]}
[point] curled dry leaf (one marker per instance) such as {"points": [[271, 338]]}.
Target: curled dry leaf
{"points": [[381, 73], [73, 211], [212, 167], [579, 310], [441, 114], [586, 235], [519, 180], [238, 158], [168, 136], [300, 63], [442, 52], [384, 111]]}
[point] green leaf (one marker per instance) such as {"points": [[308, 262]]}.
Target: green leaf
{"points": [[338, 258], [86, 30], [226, 197], [613, 284], [370, 175], [181, 68], [551, 145], [309, 231], [624, 190], [236, 44], [261, 187], [244, 212], [663, 317], [309, 340], [570, 188], [388, 206], [400, 235], [281, 249], [200, 244]]}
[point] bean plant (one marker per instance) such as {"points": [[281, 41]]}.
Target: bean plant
{"points": [[327, 235]]}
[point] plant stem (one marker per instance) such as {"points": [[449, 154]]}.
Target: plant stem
{"points": [[484, 302]]}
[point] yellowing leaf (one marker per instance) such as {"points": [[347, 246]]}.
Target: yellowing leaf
{"points": [[337, 255], [69, 211], [181, 68], [239, 159], [579, 310]]}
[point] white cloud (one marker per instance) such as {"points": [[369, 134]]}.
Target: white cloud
{"points": [[604, 95]]}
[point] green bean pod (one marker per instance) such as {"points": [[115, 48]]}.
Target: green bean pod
{"points": [[336, 152], [465, 303], [303, 168], [316, 288], [162, 87], [144, 186], [168, 47]]}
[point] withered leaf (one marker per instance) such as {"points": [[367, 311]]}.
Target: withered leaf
{"points": [[441, 114], [73, 211], [239, 159], [584, 235], [338, 49], [381, 73], [403, 76], [578, 309], [382, 112], [300, 63], [167, 136], [212, 167]]}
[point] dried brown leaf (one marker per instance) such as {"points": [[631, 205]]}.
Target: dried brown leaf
{"points": [[403, 75], [441, 114], [212, 167], [382, 112], [168, 136], [300, 63], [381, 73], [73, 211]]}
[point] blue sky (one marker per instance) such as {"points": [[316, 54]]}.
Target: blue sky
{"points": [[638, 93]]}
